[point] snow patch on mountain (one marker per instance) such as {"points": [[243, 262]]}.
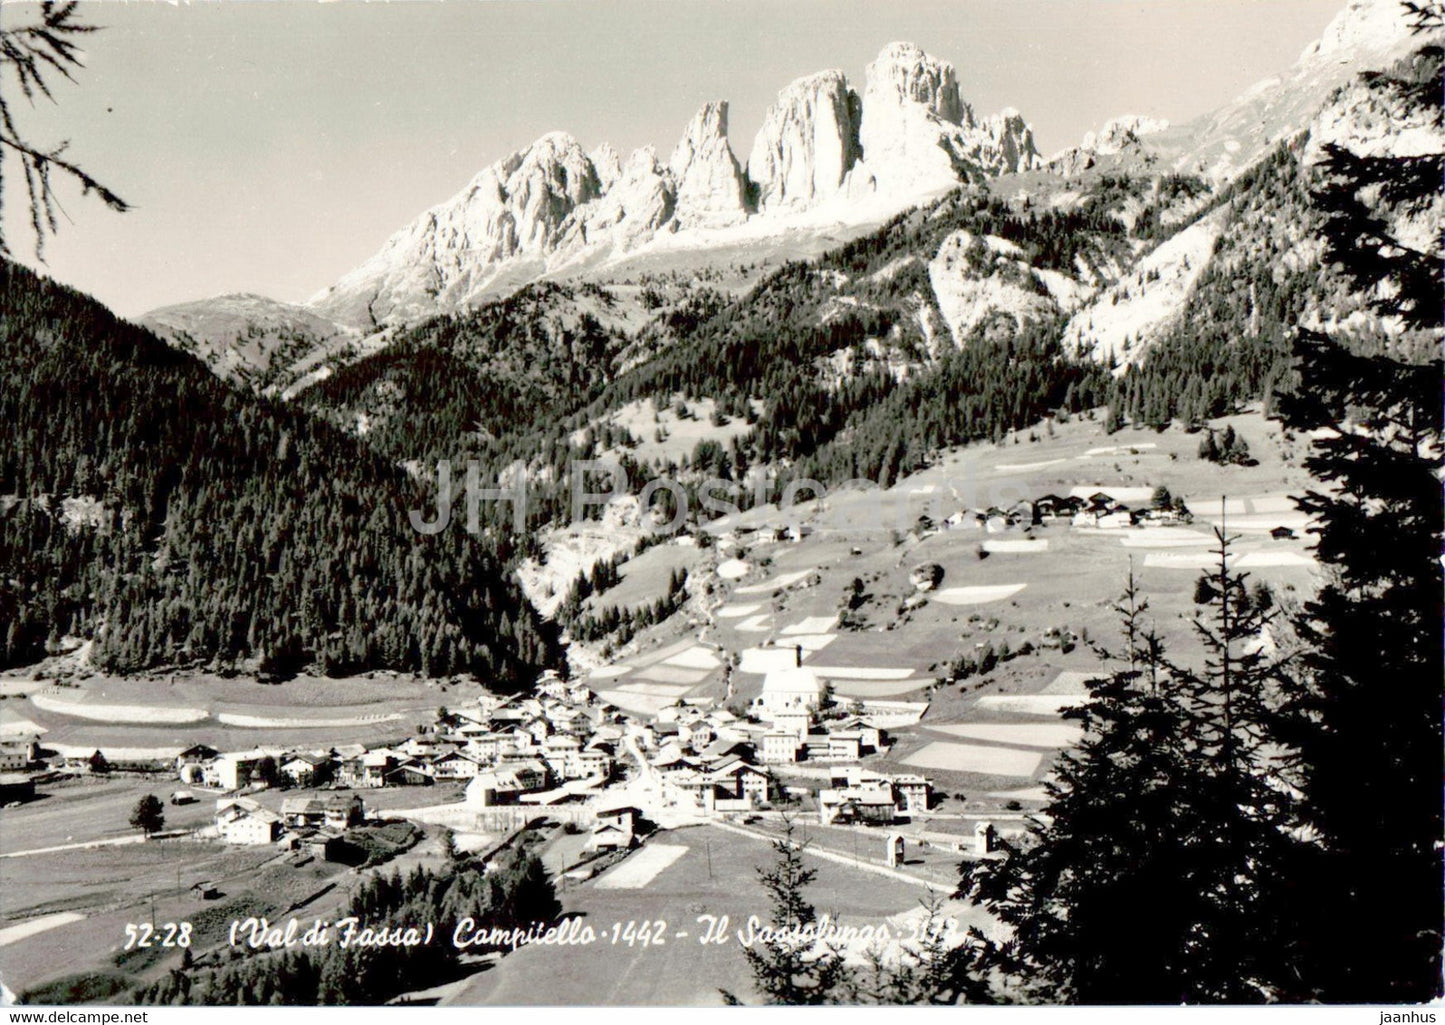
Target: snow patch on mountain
{"points": [[248, 338], [1365, 35], [976, 278], [1120, 323]]}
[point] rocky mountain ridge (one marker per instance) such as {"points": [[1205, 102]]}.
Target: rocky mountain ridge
{"points": [[552, 206], [827, 165]]}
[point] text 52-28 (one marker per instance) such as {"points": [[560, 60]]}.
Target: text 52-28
{"points": [[166, 934]]}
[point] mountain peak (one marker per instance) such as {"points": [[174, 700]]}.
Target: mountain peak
{"points": [[903, 73], [710, 186], [808, 142], [1368, 25]]}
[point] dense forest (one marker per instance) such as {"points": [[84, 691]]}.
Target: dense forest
{"points": [[170, 519]]}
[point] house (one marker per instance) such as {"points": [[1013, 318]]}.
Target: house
{"points": [[580, 694], [595, 760], [552, 685], [780, 746], [324, 844], [1282, 534], [856, 804], [410, 773], [697, 734], [301, 768], [240, 820], [16, 755], [1048, 507], [456, 765], [871, 738], [233, 771], [206, 890], [1116, 518], [740, 783], [485, 746], [504, 785], [845, 745], [196, 754], [374, 767], [725, 749], [334, 812], [1025, 513], [671, 759], [913, 793], [857, 776], [518, 740], [615, 828], [84, 764], [858, 795], [796, 722], [607, 836]]}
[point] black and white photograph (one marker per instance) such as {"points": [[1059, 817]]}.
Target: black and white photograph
{"points": [[721, 503]]}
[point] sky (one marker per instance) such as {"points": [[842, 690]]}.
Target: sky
{"points": [[270, 146]]}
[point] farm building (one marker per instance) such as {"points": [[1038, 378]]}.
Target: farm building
{"points": [[16, 786], [334, 812]]}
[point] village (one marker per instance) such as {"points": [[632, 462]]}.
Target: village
{"points": [[570, 751], [559, 752]]}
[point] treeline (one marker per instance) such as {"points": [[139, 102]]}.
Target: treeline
{"points": [[981, 391], [171, 519], [515, 893], [620, 625]]}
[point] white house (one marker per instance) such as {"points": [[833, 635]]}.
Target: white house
{"points": [[241, 820], [780, 746]]}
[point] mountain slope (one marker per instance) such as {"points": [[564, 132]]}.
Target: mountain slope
{"points": [[1365, 35], [149, 507], [252, 340]]}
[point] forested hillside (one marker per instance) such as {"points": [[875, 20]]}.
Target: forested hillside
{"points": [[171, 519], [845, 354]]}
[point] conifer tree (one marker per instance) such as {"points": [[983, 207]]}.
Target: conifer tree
{"points": [[1366, 722], [1150, 876], [1242, 857], [793, 968], [1098, 895]]}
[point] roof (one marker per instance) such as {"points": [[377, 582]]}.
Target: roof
{"points": [[793, 680], [309, 757]]}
